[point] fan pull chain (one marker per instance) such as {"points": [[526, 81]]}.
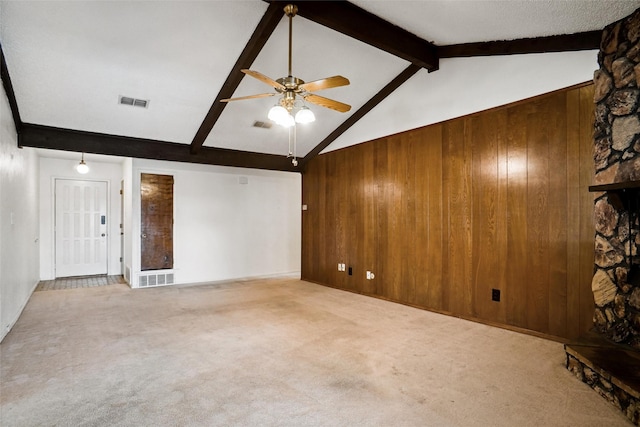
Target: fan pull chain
{"points": [[295, 140], [292, 145]]}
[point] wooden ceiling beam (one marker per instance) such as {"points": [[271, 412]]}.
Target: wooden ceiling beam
{"points": [[362, 111], [561, 43], [258, 39], [351, 20], [39, 136], [8, 88]]}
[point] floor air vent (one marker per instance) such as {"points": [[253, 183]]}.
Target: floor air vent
{"points": [[146, 280]]}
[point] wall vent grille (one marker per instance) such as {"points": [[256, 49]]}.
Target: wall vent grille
{"points": [[150, 279], [126, 100], [260, 124]]}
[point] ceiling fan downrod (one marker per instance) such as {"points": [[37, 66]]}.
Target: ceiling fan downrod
{"points": [[290, 10]]}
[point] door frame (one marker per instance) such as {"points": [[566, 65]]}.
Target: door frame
{"points": [[54, 265]]}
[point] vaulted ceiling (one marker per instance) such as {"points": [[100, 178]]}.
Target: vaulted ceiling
{"points": [[66, 64]]}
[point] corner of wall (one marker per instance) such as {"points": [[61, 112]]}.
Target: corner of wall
{"points": [[19, 224]]}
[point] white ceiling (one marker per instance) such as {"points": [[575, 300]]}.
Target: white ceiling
{"points": [[445, 22], [69, 61]]}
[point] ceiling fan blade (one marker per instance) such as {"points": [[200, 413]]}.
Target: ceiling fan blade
{"points": [[328, 83], [264, 79], [240, 98], [327, 103]]}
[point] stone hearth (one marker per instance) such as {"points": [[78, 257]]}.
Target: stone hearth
{"points": [[611, 370]]}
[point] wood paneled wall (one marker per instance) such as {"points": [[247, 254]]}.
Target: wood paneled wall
{"points": [[446, 213]]}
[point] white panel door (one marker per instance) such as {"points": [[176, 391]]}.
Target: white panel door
{"points": [[81, 228]]}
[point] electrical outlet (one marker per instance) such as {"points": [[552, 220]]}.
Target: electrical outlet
{"points": [[339, 267], [495, 295], [370, 275]]}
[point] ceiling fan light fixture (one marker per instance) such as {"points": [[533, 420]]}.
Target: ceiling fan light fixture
{"points": [[305, 115], [290, 87], [277, 113], [287, 121]]}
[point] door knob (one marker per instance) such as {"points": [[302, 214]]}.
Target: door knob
{"points": [[103, 234]]}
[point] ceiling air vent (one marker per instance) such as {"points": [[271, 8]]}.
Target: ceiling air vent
{"points": [[259, 124], [126, 100]]}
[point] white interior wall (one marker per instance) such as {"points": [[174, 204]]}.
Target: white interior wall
{"points": [[467, 85], [18, 221], [52, 168], [223, 229]]}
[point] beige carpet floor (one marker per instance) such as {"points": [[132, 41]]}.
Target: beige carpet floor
{"points": [[276, 353]]}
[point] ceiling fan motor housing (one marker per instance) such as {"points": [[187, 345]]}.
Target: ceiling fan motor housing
{"points": [[290, 83]]}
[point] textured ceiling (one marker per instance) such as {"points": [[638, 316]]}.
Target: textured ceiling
{"points": [[69, 61], [446, 22]]}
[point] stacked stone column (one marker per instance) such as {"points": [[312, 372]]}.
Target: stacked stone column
{"points": [[616, 155]]}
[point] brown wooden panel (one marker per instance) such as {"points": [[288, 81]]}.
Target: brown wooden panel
{"points": [[538, 219], [156, 205], [407, 259], [445, 213], [397, 235], [358, 234], [485, 262], [587, 226], [369, 234], [557, 209], [446, 208], [331, 222], [573, 212], [429, 226], [340, 219], [457, 185], [517, 232], [502, 254], [384, 194], [435, 249]]}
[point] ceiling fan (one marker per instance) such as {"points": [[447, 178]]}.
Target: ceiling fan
{"points": [[291, 87]]}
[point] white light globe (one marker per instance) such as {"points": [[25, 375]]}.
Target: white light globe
{"points": [[277, 113], [287, 121], [82, 168], [305, 115]]}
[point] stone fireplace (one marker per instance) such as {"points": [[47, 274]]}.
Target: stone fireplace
{"points": [[610, 362], [617, 161]]}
